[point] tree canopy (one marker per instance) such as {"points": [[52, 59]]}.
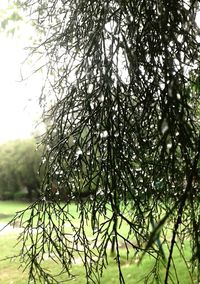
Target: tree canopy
{"points": [[10, 18], [19, 165], [121, 99]]}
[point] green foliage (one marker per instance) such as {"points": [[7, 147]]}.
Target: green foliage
{"points": [[19, 165], [10, 18]]}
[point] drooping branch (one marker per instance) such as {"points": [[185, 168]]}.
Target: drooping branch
{"points": [[121, 109]]}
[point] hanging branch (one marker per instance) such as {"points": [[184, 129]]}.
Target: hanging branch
{"points": [[121, 108]]}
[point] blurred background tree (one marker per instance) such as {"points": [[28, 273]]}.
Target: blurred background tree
{"points": [[10, 17], [19, 165]]}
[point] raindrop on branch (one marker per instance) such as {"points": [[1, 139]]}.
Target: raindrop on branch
{"points": [[104, 134], [164, 126], [79, 153]]}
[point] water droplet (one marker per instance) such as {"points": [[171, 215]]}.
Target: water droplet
{"points": [[162, 86], [101, 98], [44, 160], [164, 126], [78, 153], [92, 105], [104, 134], [90, 88], [169, 145]]}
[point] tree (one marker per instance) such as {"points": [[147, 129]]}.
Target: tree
{"points": [[122, 101], [19, 164], [8, 178], [10, 18], [27, 163]]}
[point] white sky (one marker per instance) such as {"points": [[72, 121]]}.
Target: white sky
{"points": [[19, 107], [18, 100]]}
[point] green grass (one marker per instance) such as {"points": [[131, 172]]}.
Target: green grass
{"points": [[9, 208], [10, 273]]}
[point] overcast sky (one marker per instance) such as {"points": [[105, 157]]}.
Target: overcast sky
{"points": [[19, 109], [18, 100]]}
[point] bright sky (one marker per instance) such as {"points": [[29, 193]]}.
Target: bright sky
{"points": [[18, 100], [19, 108]]}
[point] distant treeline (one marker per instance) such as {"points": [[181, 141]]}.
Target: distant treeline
{"points": [[19, 165]]}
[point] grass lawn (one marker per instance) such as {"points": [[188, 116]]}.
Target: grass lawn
{"points": [[10, 273], [9, 208]]}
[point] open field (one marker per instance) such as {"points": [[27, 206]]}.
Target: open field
{"points": [[10, 273]]}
